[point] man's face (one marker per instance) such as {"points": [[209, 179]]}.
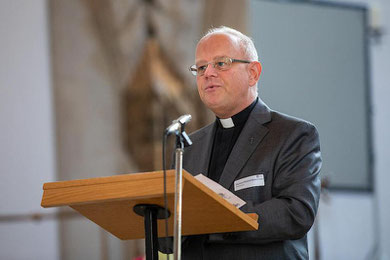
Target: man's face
{"points": [[224, 92]]}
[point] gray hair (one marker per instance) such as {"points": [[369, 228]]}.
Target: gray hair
{"points": [[246, 42]]}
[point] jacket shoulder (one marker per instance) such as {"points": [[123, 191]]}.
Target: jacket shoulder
{"points": [[287, 122]]}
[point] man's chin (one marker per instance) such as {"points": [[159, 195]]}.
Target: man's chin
{"points": [[217, 109], [212, 104]]}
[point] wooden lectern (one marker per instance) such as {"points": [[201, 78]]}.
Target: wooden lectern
{"points": [[109, 202]]}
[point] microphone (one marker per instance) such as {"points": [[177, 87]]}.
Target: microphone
{"points": [[178, 124]]}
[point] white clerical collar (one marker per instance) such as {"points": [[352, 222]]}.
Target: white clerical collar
{"points": [[227, 122]]}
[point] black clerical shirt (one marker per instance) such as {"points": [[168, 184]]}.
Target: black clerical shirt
{"points": [[224, 140]]}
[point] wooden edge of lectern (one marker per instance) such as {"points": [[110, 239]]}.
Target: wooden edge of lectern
{"points": [[109, 202]]}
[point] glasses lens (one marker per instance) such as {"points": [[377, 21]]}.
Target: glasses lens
{"points": [[201, 68], [223, 63]]}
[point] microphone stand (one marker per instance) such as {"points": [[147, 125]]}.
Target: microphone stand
{"points": [[152, 212], [182, 140]]}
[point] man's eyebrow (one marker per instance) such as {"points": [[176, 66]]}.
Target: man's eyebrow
{"points": [[216, 57], [200, 61], [219, 57]]}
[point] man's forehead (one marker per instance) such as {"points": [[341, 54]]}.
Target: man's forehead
{"points": [[217, 45]]}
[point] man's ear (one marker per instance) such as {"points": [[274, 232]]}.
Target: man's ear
{"points": [[254, 72]]}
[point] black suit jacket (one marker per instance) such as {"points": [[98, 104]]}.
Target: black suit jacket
{"points": [[286, 151]]}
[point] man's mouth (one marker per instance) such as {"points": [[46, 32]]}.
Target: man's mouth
{"points": [[211, 87]]}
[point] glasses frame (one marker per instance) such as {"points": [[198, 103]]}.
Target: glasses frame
{"points": [[194, 70]]}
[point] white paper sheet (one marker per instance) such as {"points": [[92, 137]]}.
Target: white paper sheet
{"points": [[221, 191]]}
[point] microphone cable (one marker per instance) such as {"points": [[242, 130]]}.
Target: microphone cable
{"points": [[165, 136]]}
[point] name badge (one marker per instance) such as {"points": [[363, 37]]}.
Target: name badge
{"points": [[248, 182]]}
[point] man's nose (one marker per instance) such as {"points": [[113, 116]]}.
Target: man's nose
{"points": [[210, 71]]}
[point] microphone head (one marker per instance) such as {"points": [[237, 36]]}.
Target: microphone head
{"points": [[178, 124], [184, 119]]}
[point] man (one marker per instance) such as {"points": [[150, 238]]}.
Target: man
{"points": [[278, 154]]}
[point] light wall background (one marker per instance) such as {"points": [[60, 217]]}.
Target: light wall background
{"points": [[351, 225], [27, 146]]}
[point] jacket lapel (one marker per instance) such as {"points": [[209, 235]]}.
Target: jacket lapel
{"points": [[250, 137], [200, 150]]}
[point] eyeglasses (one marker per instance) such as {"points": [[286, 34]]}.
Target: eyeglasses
{"points": [[222, 63]]}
